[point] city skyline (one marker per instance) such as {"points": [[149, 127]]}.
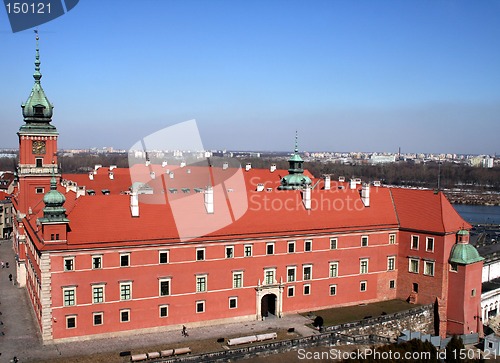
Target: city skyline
{"points": [[371, 76]]}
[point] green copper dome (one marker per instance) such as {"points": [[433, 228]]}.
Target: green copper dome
{"points": [[296, 178], [37, 110], [54, 210], [54, 198], [464, 254]]}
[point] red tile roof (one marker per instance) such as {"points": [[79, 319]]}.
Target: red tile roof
{"points": [[426, 210], [240, 211]]}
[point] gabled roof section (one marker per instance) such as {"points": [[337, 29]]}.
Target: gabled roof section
{"points": [[426, 210]]}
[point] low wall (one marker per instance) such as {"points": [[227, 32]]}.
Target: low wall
{"points": [[420, 318]]}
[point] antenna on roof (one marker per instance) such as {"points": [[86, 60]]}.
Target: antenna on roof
{"points": [[439, 175]]}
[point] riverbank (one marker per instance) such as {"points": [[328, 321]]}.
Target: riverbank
{"points": [[473, 198]]}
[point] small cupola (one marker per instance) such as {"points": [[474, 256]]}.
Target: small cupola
{"points": [[462, 252], [54, 210], [295, 179]]}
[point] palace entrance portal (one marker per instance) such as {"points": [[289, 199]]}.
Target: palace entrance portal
{"points": [[268, 305]]}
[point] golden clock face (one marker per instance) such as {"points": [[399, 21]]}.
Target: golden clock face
{"points": [[38, 147]]}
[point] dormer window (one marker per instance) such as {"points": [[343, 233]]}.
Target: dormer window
{"points": [[38, 110]]}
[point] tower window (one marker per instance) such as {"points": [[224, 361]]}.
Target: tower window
{"points": [[39, 162], [39, 190], [38, 110]]}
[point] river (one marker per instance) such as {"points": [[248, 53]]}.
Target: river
{"points": [[479, 214]]}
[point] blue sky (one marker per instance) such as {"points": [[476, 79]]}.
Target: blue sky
{"points": [[348, 75]]}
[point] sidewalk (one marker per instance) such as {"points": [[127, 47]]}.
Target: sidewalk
{"points": [[22, 337]]}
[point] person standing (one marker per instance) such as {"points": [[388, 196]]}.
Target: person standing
{"points": [[10, 277]]}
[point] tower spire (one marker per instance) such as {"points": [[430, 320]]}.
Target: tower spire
{"points": [[296, 142], [37, 109], [37, 75]]}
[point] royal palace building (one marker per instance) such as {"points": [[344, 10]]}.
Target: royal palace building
{"points": [[160, 245]]}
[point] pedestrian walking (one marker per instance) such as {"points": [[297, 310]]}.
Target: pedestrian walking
{"points": [[184, 331], [3, 264], [10, 277]]}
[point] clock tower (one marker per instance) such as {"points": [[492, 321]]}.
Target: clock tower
{"points": [[37, 145]]}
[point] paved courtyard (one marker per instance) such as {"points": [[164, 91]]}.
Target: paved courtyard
{"points": [[20, 337]]}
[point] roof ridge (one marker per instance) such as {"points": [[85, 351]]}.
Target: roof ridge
{"points": [[441, 196], [394, 207]]}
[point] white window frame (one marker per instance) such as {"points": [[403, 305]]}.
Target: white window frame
{"points": [[235, 299], [389, 263], [121, 315], [160, 281], [363, 239], [231, 254], [334, 243], [361, 284], [201, 249], [202, 283], [95, 287], [290, 244], [310, 243], [247, 248], [94, 316], [310, 266], [429, 263], [392, 238], [308, 288], [410, 265], [272, 272], [416, 238], [163, 253], [70, 259], [334, 287], [294, 276], [292, 289], [333, 272], [160, 307], [65, 289], [270, 244], [71, 317], [39, 190], [202, 302], [100, 262], [363, 266], [127, 254], [393, 282], [427, 240], [236, 273], [122, 285]]}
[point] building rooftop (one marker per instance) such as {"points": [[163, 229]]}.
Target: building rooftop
{"points": [[240, 210]]}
